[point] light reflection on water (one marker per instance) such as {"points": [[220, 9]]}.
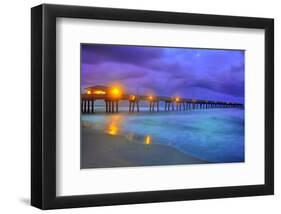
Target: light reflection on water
{"points": [[211, 135]]}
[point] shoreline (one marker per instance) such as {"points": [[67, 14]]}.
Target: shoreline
{"points": [[101, 150]]}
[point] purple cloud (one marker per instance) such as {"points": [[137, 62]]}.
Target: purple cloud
{"points": [[196, 73]]}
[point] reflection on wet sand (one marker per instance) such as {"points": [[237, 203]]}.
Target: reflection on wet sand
{"points": [[147, 140], [113, 127], [130, 136]]}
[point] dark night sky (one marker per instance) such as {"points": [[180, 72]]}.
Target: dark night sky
{"points": [[191, 73]]}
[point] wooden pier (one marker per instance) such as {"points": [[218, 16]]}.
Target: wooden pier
{"points": [[112, 97]]}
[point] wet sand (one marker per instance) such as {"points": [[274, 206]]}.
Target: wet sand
{"points": [[101, 150]]}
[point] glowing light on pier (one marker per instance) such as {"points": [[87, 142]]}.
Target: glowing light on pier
{"points": [[150, 97], [132, 97], [116, 92], [177, 99], [99, 92], [89, 92]]}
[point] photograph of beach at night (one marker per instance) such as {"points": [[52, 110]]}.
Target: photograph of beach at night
{"points": [[155, 106]]}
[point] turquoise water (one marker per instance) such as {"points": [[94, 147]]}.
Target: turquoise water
{"points": [[213, 135]]}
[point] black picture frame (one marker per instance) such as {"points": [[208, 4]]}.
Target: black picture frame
{"points": [[43, 106]]}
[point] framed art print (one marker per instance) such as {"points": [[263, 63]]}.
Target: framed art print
{"points": [[132, 106]]}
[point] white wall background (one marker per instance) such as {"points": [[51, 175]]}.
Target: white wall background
{"points": [[15, 106]]}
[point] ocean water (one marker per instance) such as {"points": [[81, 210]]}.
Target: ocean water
{"points": [[212, 135]]}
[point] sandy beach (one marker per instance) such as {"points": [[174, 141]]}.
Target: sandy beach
{"points": [[101, 150]]}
